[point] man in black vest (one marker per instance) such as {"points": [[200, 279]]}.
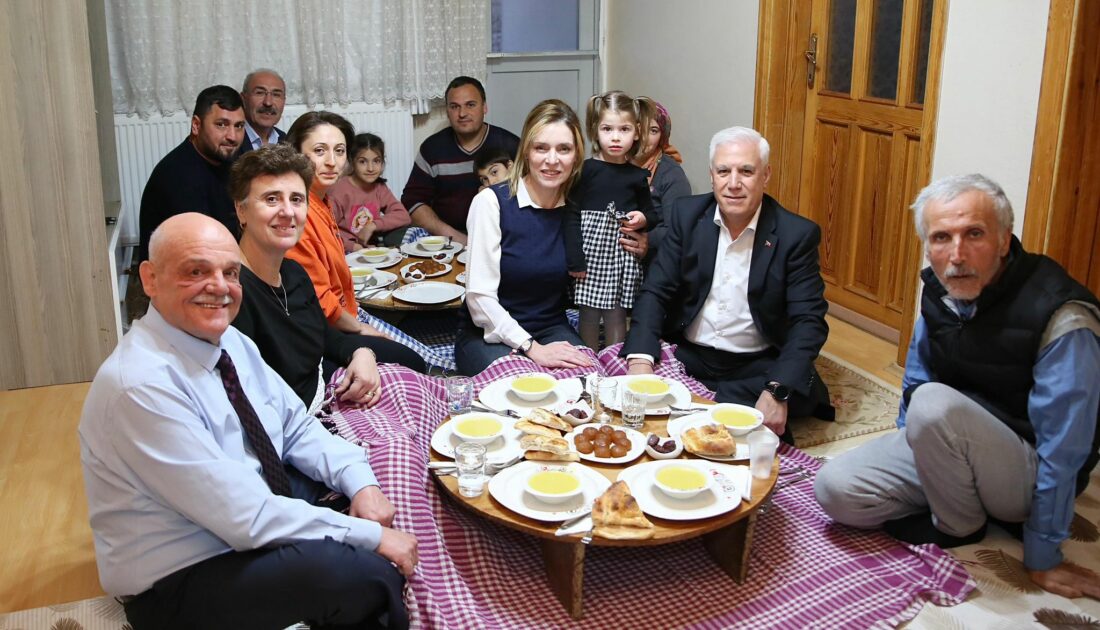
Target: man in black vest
{"points": [[999, 413]]}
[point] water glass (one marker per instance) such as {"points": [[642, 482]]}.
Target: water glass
{"points": [[460, 394], [634, 406], [604, 390], [762, 445], [470, 460]]}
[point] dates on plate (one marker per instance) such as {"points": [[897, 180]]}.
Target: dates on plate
{"points": [[656, 444]]}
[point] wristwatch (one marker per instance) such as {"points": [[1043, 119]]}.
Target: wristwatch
{"points": [[778, 391], [525, 347]]}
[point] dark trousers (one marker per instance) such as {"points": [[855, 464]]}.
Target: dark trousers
{"points": [[325, 583], [472, 354], [740, 378]]}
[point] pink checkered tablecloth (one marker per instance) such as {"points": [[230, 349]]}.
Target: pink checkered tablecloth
{"points": [[805, 571]]}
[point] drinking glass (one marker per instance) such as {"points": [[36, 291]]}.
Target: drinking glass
{"points": [[604, 390], [460, 394], [470, 460], [634, 406], [762, 445]]}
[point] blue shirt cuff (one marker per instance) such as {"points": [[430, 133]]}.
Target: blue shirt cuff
{"points": [[357, 477], [1040, 554], [363, 533]]}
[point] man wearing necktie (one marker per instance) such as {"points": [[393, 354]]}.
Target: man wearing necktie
{"points": [[203, 472], [999, 411]]}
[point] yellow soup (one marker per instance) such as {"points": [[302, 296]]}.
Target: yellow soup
{"points": [[361, 273], [553, 482], [734, 417], [432, 241], [532, 384], [376, 252], [651, 386], [681, 478], [479, 427]]}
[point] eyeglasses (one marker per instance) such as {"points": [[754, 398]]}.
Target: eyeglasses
{"points": [[263, 93]]}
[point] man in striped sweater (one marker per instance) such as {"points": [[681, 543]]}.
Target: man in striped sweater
{"points": [[443, 182]]}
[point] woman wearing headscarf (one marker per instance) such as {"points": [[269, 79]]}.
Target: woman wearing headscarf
{"points": [[667, 181]]}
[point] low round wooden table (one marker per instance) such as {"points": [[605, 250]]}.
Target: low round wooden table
{"points": [[727, 537], [389, 304]]}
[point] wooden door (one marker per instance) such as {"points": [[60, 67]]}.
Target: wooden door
{"points": [[1063, 200], [865, 150]]}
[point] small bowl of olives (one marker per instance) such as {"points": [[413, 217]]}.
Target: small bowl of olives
{"points": [[662, 447], [602, 443]]}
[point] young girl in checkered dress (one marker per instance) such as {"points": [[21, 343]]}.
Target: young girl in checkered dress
{"points": [[612, 194]]}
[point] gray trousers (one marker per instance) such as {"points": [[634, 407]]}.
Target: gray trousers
{"points": [[953, 458]]}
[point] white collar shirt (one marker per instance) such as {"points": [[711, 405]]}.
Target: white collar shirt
{"points": [[725, 322], [253, 138]]}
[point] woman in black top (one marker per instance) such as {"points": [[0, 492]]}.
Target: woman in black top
{"points": [[279, 307]]}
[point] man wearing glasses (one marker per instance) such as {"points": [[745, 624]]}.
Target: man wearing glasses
{"points": [[264, 97]]}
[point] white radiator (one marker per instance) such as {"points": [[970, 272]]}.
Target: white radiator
{"points": [[142, 143]]}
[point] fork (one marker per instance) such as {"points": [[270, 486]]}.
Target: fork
{"points": [[506, 412], [491, 468], [792, 480]]}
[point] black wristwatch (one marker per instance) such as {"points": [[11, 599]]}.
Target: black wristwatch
{"points": [[525, 347], [778, 391]]}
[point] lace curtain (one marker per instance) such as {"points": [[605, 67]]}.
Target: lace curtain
{"points": [[163, 52]]}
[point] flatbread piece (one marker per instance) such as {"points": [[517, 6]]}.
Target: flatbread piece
{"points": [[616, 515], [709, 439]]}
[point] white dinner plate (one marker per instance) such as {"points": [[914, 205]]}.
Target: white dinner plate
{"points": [[678, 395], [428, 292], [498, 395], [637, 444], [677, 426], [377, 280], [357, 260], [461, 278], [507, 487], [407, 269], [414, 249], [724, 495], [464, 257], [498, 451]]}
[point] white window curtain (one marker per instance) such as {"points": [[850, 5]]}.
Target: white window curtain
{"points": [[163, 52]]}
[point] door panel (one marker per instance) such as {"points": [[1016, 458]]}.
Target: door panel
{"points": [[861, 157], [828, 189], [866, 234]]}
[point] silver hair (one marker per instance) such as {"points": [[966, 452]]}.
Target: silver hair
{"points": [[945, 189], [250, 75], [740, 134]]}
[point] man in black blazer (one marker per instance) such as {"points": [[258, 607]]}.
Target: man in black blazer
{"points": [[264, 96], [737, 285]]}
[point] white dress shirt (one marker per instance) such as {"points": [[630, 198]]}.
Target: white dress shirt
{"points": [[169, 476], [724, 322], [483, 269]]}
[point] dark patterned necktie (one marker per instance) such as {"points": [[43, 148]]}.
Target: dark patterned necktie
{"points": [[272, 466]]}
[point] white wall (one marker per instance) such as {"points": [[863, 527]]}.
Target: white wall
{"points": [[989, 92], [697, 58]]}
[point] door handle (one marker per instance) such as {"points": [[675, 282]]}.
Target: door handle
{"points": [[811, 60]]}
